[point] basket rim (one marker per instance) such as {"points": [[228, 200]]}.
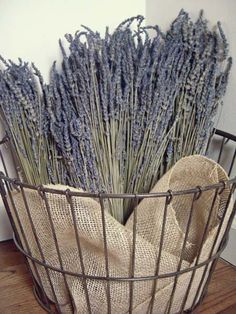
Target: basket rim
{"points": [[68, 192]]}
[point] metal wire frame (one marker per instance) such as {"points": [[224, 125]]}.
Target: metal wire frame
{"points": [[7, 185]]}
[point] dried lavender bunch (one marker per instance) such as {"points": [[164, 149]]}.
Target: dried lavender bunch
{"points": [[203, 85], [145, 102], [124, 108], [23, 111]]}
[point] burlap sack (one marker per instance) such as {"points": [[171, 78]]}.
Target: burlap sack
{"points": [[187, 173], [43, 232], [89, 223], [119, 243]]}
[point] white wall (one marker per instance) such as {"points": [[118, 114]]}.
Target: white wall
{"points": [[30, 29], [163, 12]]}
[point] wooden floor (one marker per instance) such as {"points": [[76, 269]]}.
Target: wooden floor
{"points": [[16, 294]]}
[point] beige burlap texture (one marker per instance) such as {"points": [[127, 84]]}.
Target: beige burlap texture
{"points": [[89, 224], [187, 173]]}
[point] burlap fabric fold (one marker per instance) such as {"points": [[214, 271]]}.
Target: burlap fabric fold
{"points": [[69, 290], [187, 173], [90, 228]]}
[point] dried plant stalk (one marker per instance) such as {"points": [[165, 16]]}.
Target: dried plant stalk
{"points": [[123, 108]]}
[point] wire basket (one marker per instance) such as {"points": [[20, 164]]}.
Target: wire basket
{"points": [[52, 279]]}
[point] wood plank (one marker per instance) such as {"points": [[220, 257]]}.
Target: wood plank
{"points": [[16, 295], [221, 296]]}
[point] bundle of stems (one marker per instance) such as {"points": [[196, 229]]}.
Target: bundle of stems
{"points": [[24, 114], [123, 108]]}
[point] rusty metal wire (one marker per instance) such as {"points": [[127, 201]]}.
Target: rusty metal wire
{"points": [[7, 185]]}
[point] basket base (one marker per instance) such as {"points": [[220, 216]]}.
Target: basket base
{"points": [[39, 296]]}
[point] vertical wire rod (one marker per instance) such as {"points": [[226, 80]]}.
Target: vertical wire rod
{"points": [[70, 201], [199, 250], [6, 204], [232, 163], [24, 238], [221, 149], [167, 202], [13, 155], [209, 142], [213, 246], [5, 167], [33, 263], [105, 252], [38, 291], [48, 209], [38, 243], [222, 242], [196, 195], [131, 284]]}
